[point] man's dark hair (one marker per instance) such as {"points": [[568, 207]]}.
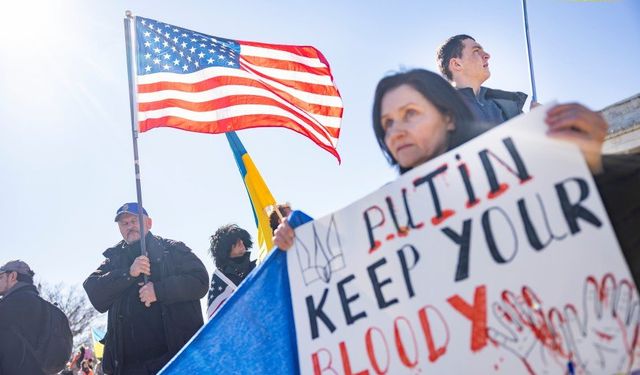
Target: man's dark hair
{"points": [[436, 90], [224, 238], [450, 49], [24, 278]]}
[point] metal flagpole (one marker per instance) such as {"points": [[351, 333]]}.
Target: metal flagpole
{"points": [[130, 35], [534, 95]]}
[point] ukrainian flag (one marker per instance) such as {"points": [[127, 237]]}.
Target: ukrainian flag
{"points": [[259, 194], [96, 336]]}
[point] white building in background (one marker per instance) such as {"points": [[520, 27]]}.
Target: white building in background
{"points": [[624, 126]]}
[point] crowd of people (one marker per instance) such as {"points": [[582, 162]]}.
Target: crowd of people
{"points": [[152, 294], [83, 362]]}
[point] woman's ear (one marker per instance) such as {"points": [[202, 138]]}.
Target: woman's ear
{"points": [[451, 126]]}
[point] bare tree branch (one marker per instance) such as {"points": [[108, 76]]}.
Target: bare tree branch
{"points": [[74, 303]]}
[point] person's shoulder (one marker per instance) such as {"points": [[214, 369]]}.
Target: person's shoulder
{"points": [[22, 293], [631, 160], [619, 168], [465, 92], [170, 244], [503, 94], [113, 250]]}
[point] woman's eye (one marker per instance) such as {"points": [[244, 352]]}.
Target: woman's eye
{"points": [[410, 113], [386, 124]]}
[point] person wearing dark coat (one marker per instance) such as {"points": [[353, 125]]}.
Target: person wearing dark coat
{"points": [[148, 323], [619, 187], [22, 312], [230, 247], [466, 65]]}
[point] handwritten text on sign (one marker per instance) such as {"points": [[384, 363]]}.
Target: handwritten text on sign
{"points": [[495, 257]]}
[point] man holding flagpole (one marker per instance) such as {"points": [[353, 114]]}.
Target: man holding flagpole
{"points": [[148, 323]]}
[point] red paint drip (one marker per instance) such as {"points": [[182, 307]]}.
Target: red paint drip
{"points": [[445, 215], [493, 342], [497, 193], [390, 237], [538, 323], [603, 287], [508, 317], [604, 336], [403, 232], [470, 204], [522, 182], [376, 246], [419, 226]]}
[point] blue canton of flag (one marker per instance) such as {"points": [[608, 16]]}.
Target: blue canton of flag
{"points": [[167, 48], [220, 290]]}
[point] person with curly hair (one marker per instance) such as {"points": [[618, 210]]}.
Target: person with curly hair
{"points": [[229, 248]]}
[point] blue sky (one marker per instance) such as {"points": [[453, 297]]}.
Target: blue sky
{"points": [[65, 139]]}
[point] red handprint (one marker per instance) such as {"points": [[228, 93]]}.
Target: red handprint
{"points": [[530, 335], [604, 337]]}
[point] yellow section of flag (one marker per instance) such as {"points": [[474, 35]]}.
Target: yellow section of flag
{"points": [[261, 198]]}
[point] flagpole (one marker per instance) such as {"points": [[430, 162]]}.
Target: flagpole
{"points": [[130, 35], [534, 95]]}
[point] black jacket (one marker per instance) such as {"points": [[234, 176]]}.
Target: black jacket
{"points": [[183, 281], [510, 103], [619, 187], [236, 269], [23, 312]]}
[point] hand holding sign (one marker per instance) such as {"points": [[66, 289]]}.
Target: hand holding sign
{"points": [[283, 236], [579, 125]]}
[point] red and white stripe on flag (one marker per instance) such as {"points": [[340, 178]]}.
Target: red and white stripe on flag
{"points": [[192, 81]]}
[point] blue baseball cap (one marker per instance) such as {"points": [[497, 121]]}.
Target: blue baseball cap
{"points": [[129, 208]]}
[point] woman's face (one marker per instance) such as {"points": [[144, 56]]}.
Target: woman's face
{"points": [[238, 249], [415, 131]]}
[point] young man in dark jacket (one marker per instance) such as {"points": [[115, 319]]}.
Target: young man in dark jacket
{"points": [[147, 323], [466, 65], [22, 315]]}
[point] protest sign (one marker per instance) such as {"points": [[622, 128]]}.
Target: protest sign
{"points": [[496, 257]]}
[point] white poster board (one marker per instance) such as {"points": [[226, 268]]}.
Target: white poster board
{"points": [[497, 257]]}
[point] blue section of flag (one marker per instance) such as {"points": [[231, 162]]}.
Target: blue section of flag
{"points": [[164, 48], [238, 150], [254, 331], [98, 334]]}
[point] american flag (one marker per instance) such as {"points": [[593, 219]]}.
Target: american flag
{"points": [[220, 289], [197, 82]]}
